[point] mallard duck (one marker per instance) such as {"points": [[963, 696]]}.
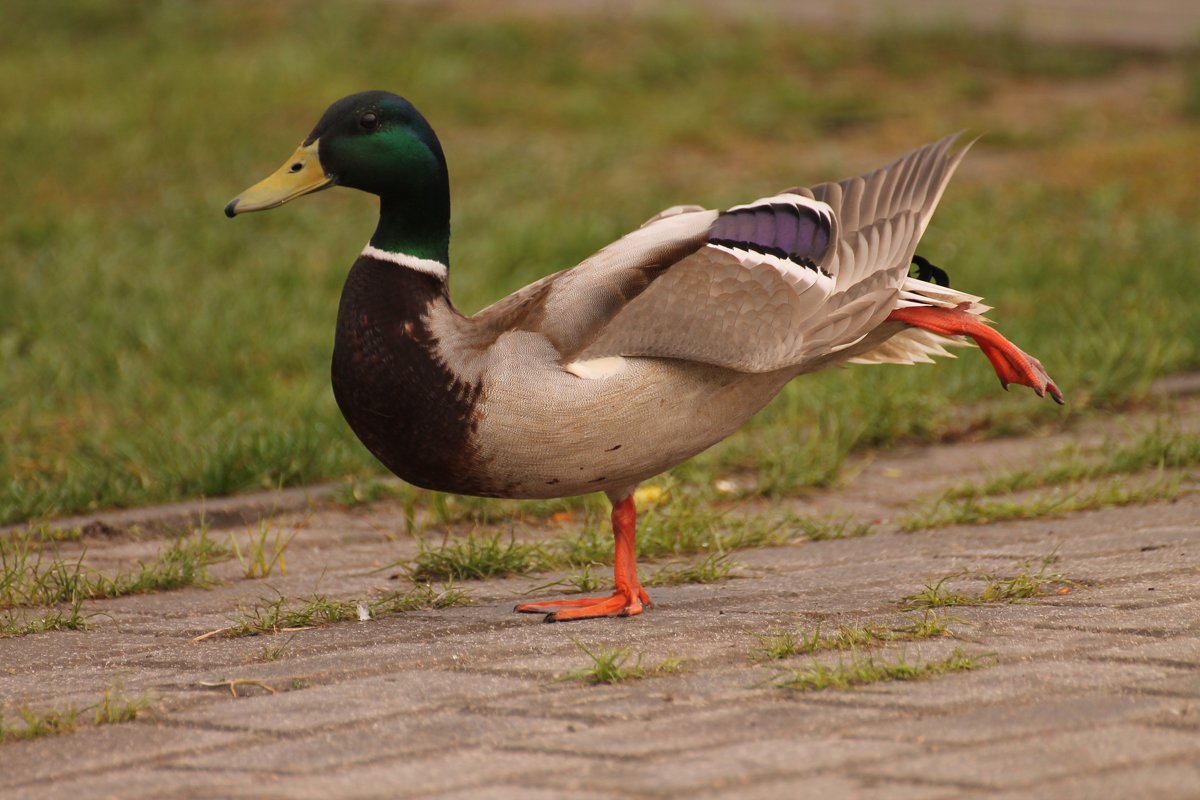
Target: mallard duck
{"points": [[657, 347]]}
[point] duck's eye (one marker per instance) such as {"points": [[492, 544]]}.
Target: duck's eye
{"points": [[369, 121]]}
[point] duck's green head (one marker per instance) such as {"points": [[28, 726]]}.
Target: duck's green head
{"points": [[379, 143]]}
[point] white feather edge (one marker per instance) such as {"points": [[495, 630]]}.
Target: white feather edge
{"points": [[795, 274], [426, 265], [911, 346], [914, 292], [916, 345], [593, 369]]}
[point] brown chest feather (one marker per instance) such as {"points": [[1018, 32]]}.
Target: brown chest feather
{"points": [[409, 409]]}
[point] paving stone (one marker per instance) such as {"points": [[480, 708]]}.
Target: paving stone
{"points": [[1179, 650], [525, 792], [1008, 721], [1012, 764], [1163, 620], [1169, 781], [699, 768], [1004, 683], [827, 786], [1179, 685], [144, 783], [352, 702], [705, 727], [92, 752], [461, 770], [411, 734]]}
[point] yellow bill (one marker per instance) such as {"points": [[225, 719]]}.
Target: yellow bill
{"points": [[301, 174]]}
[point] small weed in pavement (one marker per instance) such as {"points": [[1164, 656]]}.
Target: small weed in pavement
{"points": [[113, 708], [685, 524], [611, 665], [70, 618], [937, 595], [282, 614], [38, 724], [782, 644], [1024, 585], [862, 670], [264, 551], [777, 646], [713, 569], [32, 576], [478, 556], [931, 626], [117, 707], [584, 580], [974, 510], [1160, 447], [274, 652], [362, 491], [817, 530]]}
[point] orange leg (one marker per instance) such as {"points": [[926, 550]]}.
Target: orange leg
{"points": [[1011, 364], [628, 600]]}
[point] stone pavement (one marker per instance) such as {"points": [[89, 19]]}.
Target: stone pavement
{"points": [[1090, 693]]}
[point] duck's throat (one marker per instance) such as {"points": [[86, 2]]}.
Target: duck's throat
{"points": [[403, 401], [419, 229]]}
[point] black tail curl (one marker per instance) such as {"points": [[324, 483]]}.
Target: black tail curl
{"points": [[929, 272]]}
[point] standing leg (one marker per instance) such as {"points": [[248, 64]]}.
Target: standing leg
{"points": [[628, 599]]}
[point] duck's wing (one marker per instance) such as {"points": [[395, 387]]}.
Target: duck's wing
{"points": [[771, 284], [571, 308]]}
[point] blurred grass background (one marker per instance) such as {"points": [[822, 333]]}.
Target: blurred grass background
{"points": [[154, 350]]}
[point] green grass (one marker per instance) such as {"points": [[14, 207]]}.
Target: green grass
{"points": [[1078, 479], [363, 491], [274, 652], [45, 533], [113, 708], [479, 556], [317, 610], [265, 551], [68, 618], [116, 707], [686, 524], [1111, 494], [714, 568], [938, 595], [36, 724], [154, 350], [1025, 584], [782, 644], [581, 582], [612, 665], [1162, 447], [818, 530], [862, 670], [33, 576]]}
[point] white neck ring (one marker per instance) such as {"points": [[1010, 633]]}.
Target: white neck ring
{"points": [[426, 265]]}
